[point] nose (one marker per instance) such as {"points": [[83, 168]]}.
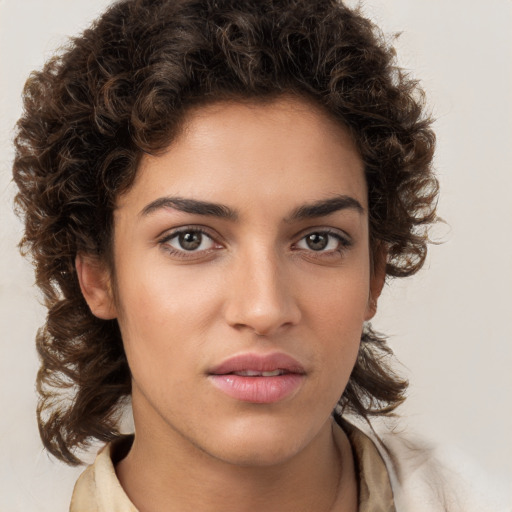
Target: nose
{"points": [[260, 295]]}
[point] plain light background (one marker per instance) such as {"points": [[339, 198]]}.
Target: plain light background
{"points": [[450, 326]]}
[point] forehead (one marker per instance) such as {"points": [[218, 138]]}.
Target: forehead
{"points": [[237, 151]]}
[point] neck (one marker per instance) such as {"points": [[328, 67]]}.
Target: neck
{"points": [[176, 475]]}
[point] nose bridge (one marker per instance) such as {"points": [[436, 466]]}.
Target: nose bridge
{"points": [[261, 297]]}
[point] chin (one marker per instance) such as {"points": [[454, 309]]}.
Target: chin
{"points": [[256, 454], [258, 443]]}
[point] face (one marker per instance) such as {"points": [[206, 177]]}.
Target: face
{"points": [[243, 279]]}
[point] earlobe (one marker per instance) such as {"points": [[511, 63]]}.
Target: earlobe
{"points": [[95, 284], [377, 280]]}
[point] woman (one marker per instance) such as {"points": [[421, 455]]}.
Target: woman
{"points": [[214, 194]]}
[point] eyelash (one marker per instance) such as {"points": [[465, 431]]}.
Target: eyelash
{"points": [[183, 253], [344, 243]]}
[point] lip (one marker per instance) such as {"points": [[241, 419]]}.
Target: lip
{"points": [[258, 389], [258, 363]]}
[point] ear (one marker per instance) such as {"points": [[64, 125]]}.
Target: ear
{"points": [[377, 280], [95, 283]]}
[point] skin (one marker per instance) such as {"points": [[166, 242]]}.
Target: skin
{"points": [[253, 285]]}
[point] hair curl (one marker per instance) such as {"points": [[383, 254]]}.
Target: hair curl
{"points": [[122, 88]]}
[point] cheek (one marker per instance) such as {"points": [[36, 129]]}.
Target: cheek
{"points": [[335, 313], [156, 294], [164, 314], [337, 300]]}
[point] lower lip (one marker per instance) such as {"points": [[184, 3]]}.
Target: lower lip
{"points": [[259, 390]]}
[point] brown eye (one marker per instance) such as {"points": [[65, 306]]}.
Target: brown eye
{"points": [[190, 241], [317, 241], [323, 242]]}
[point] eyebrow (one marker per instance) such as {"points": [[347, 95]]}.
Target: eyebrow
{"points": [[190, 206], [325, 207], [307, 211]]}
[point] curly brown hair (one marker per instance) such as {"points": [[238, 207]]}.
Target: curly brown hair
{"points": [[122, 88]]}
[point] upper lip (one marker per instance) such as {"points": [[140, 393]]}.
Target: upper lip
{"points": [[258, 363]]}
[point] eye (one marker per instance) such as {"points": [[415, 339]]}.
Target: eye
{"points": [[188, 241], [323, 241]]}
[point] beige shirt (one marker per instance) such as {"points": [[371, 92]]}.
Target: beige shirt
{"points": [[99, 490]]}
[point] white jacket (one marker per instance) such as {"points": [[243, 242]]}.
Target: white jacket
{"points": [[434, 479]]}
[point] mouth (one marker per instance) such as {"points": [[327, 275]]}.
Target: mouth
{"points": [[254, 373], [257, 365], [258, 379]]}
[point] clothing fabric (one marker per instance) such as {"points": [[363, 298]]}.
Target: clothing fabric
{"points": [[394, 473], [427, 478], [99, 490]]}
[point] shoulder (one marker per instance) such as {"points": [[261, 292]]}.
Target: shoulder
{"points": [[98, 489], [84, 492], [426, 478]]}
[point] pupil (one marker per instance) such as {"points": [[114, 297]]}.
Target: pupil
{"points": [[316, 241], [190, 241]]}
